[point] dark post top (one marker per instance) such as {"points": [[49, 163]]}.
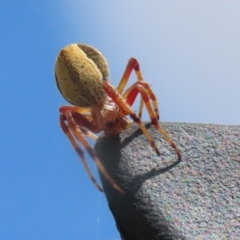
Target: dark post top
{"points": [[197, 198]]}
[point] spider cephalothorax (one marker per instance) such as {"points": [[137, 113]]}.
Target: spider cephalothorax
{"points": [[82, 77]]}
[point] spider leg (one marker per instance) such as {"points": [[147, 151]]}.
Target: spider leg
{"points": [[86, 112], [130, 98], [79, 115], [80, 152], [83, 120], [89, 134], [132, 65], [75, 122], [126, 110], [145, 96]]}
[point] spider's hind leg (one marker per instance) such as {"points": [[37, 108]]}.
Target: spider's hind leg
{"points": [[73, 129], [79, 151]]}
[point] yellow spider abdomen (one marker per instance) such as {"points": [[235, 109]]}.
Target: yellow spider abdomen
{"points": [[80, 70]]}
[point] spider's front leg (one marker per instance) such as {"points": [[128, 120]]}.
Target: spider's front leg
{"points": [[132, 92], [146, 93], [132, 65], [74, 125], [126, 110], [144, 89]]}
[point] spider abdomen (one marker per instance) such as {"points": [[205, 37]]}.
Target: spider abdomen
{"points": [[80, 71]]}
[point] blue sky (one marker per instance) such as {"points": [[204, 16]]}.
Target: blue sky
{"points": [[189, 52]]}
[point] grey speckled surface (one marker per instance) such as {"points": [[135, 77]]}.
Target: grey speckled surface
{"points": [[197, 198]]}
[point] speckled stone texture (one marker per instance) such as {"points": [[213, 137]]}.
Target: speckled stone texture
{"points": [[197, 198]]}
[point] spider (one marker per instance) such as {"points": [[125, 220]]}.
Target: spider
{"points": [[82, 77]]}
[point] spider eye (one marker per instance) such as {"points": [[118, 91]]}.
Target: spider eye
{"points": [[109, 125]]}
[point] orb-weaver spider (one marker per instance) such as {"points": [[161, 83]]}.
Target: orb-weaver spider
{"points": [[82, 77]]}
